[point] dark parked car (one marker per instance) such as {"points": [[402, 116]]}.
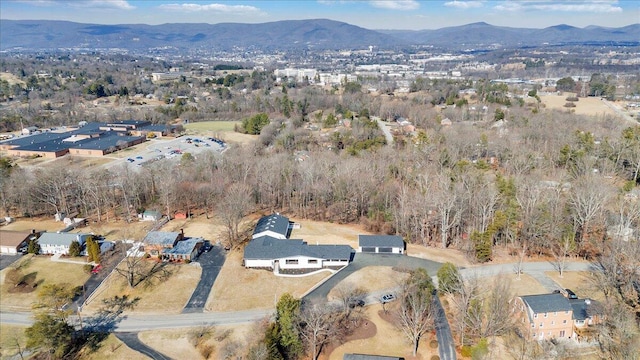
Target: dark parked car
{"points": [[571, 294]]}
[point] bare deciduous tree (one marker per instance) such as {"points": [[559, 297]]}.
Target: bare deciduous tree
{"points": [[317, 327]]}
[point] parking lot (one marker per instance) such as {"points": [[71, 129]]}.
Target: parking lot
{"points": [[160, 149]]}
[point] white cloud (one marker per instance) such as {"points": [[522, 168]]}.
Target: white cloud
{"points": [[395, 4], [463, 4], [218, 8], [590, 6]]}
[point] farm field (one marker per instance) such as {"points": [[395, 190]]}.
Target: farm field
{"points": [[585, 106]]}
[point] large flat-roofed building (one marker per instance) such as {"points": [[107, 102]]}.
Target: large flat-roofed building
{"points": [[91, 139]]}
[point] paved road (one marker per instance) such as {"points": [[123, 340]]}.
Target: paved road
{"points": [[384, 126], [137, 323], [211, 264], [6, 260], [528, 267], [446, 346], [131, 340], [362, 260]]}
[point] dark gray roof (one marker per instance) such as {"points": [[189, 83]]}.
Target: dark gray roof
{"points": [[266, 247], [153, 128], [184, 247], [381, 241], [104, 142], [582, 310], [545, 303], [274, 222], [163, 238], [369, 357], [129, 122]]}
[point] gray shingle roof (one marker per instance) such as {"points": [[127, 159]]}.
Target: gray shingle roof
{"points": [[545, 303], [184, 247], [162, 238], [274, 222], [380, 241], [582, 310], [266, 247], [64, 239]]}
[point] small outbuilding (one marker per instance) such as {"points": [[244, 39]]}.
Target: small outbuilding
{"points": [[151, 215], [381, 244]]}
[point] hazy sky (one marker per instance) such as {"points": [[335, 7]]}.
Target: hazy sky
{"points": [[374, 14]]}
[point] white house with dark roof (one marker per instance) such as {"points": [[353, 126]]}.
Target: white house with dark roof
{"points": [[274, 225], [381, 244], [59, 243], [267, 252]]}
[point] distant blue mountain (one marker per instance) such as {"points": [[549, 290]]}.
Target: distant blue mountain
{"points": [[287, 35]]}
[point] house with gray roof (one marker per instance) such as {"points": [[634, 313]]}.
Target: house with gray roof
{"points": [[59, 243], [274, 225], [156, 242], [184, 250], [381, 244], [272, 253]]}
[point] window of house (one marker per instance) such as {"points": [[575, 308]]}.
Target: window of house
{"points": [[534, 334], [535, 316], [541, 324], [313, 261], [561, 333], [555, 313], [546, 314], [291, 261], [553, 322], [533, 325], [564, 321]]}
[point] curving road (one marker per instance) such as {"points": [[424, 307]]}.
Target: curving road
{"points": [[131, 340]]}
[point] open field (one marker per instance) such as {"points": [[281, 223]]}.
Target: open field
{"points": [[222, 129], [238, 288], [46, 272], [112, 348], [10, 337], [585, 106], [388, 341], [161, 296], [10, 78], [578, 281]]}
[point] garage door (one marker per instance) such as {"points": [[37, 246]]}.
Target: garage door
{"points": [[368, 249], [385, 250]]}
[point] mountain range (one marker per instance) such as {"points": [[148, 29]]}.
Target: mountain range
{"points": [[291, 34]]}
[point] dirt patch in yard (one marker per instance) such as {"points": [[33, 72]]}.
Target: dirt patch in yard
{"points": [[161, 296], [237, 288], [366, 330]]}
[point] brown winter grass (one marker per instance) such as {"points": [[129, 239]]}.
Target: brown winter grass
{"points": [[370, 279], [224, 129], [388, 341], [46, 272], [113, 348], [578, 281], [166, 296], [585, 106], [176, 343], [237, 288], [10, 337]]}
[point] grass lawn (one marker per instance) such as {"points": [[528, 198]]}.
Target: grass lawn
{"points": [[237, 288], [112, 348], [164, 296], [371, 279], [46, 272], [578, 281], [209, 126], [9, 334], [176, 343], [388, 341]]}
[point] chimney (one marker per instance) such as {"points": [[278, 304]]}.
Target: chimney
{"points": [[33, 231]]}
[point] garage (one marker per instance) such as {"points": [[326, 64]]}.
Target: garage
{"points": [[381, 244]]}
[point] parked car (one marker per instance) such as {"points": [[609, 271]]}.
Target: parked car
{"points": [[387, 298], [356, 303], [130, 160], [139, 157], [571, 294], [96, 269]]}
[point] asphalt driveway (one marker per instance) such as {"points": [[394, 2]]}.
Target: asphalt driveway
{"points": [[211, 264], [108, 261], [6, 260], [132, 341], [362, 260]]}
